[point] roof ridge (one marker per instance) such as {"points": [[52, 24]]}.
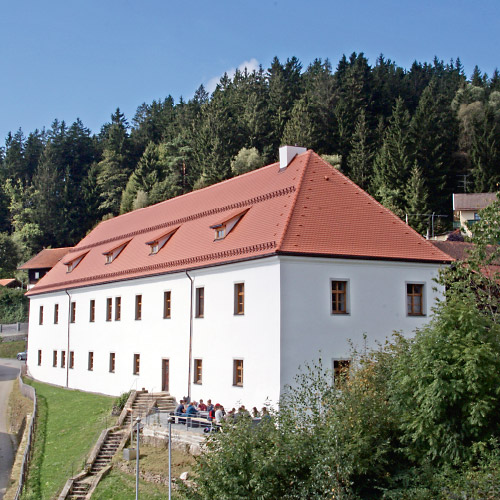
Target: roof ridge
{"points": [[297, 191]]}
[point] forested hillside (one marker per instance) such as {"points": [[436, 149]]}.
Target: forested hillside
{"points": [[411, 137]]}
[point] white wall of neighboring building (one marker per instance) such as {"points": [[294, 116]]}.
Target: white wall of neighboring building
{"points": [[286, 322], [376, 306]]}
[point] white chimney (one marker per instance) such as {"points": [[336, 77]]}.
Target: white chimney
{"points": [[288, 153]]}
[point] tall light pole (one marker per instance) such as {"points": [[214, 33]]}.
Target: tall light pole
{"points": [[138, 422], [170, 458]]}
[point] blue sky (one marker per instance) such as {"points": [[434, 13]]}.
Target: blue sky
{"points": [[84, 58]]}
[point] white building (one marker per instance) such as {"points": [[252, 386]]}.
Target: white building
{"points": [[223, 292]]}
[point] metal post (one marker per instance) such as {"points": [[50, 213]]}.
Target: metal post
{"points": [[137, 462], [170, 458]]}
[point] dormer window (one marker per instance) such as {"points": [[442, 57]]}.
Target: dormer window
{"points": [[159, 242], [220, 233], [224, 227], [113, 253], [74, 261]]}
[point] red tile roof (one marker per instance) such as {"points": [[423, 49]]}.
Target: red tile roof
{"points": [[46, 259], [309, 208]]}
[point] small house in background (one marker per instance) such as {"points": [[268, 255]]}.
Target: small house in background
{"points": [[42, 263], [466, 207], [10, 283]]}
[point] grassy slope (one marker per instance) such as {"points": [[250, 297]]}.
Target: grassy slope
{"points": [[117, 481], [10, 349], [68, 426], [154, 460]]}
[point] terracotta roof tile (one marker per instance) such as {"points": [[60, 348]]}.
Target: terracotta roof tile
{"points": [[296, 210], [46, 259]]}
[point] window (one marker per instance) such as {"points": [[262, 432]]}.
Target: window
{"points": [[339, 297], [137, 364], [160, 241], [92, 311], [198, 367], [56, 314], [40, 316], [138, 307], [111, 362], [340, 370], [113, 253], [220, 232], [238, 372], [118, 308], [224, 227], [71, 359], [63, 359], [200, 302], [54, 358], [37, 275], [73, 312], [91, 361], [167, 304], [74, 261], [414, 299], [239, 298], [109, 309], [39, 357]]}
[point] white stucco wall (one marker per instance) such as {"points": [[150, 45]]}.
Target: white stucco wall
{"points": [[218, 338], [376, 305], [287, 321]]}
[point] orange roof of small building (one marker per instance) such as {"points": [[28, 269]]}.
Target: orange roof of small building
{"points": [[46, 259], [308, 208], [7, 281]]}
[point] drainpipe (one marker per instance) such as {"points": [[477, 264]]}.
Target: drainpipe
{"points": [[190, 335], [67, 351]]}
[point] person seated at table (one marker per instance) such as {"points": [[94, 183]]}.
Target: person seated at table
{"points": [[264, 413], [202, 406], [180, 409], [191, 410], [210, 406], [255, 413]]}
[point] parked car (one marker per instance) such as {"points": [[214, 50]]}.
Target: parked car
{"points": [[21, 356]]}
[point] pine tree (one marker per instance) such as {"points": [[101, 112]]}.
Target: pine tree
{"points": [[416, 198], [301, 127], [359, 162], [392, 162]]}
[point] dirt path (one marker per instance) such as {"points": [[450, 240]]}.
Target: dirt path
{"points": [[9, 369]]}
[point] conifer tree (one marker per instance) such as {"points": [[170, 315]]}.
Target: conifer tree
{"points": [[416, 198], [392, 162], [359, 162]]}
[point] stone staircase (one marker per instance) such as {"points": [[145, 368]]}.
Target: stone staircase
{"points": [[112, 440], [107, 451]]}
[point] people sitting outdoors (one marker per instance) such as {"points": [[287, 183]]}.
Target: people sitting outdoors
{"points": [[202, 406], [255, 413], [191, 410], [179, 411], [210, 406]]}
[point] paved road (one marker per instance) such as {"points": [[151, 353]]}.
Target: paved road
{"points": [[9, 369]]}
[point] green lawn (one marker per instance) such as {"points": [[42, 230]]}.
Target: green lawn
{"points": [[117, 481], [10, 349], [68, 425]]}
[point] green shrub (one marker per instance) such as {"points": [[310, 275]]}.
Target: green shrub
{"points": [[121, 400], [13, 306]]}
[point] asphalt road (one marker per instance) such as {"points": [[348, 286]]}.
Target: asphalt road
{"points": [[9, 369]]}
